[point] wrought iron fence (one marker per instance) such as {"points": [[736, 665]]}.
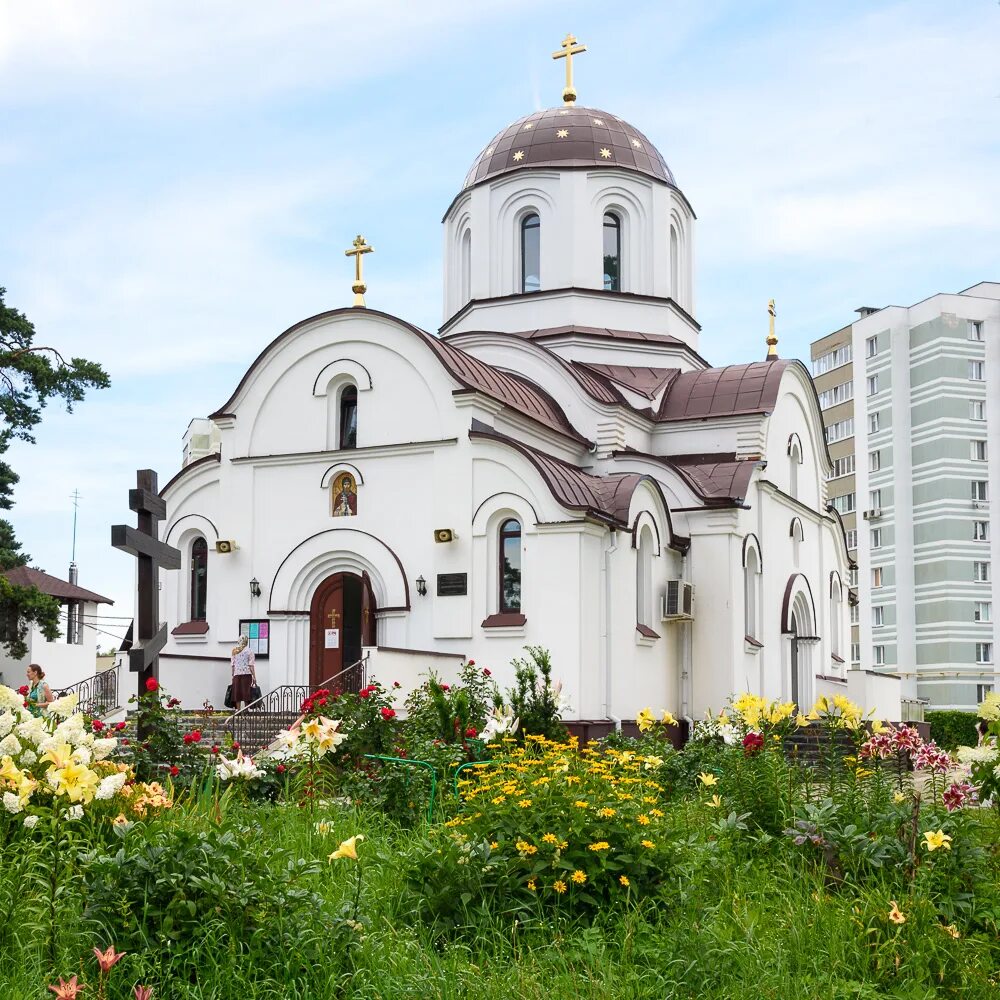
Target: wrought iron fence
{"points": [[98, 695], [256, 725]]}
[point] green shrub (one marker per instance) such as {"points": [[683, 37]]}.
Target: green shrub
{"points": [[951, 728]]}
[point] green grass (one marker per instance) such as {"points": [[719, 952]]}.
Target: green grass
{"points": [[741, 918]]}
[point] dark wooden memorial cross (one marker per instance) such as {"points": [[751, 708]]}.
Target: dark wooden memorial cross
{"points": [[143, 543]]}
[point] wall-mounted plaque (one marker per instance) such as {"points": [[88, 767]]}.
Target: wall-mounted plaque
{"points": [[452, 584]]}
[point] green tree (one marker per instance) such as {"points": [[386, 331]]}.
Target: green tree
{"points": [[30, 376]]}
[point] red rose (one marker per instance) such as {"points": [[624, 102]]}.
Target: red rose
{"points": [[195, 735], [186, 738], [124, 743], [396, 684], [236, 745], [487, 672], [752, 742], [23, 690], [174, 770], [388, 713], [214, 749], [365, 692], [120, 726], [445, 687], [471, 663], [152, 684], [97, 725], [472, 731], [280, 769]]}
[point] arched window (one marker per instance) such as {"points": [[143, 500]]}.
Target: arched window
{"points": [[348, 417], [466, 266], [531, 253], [797, 534], [510, 565], [836, 596], [794, 461], [199, 579], [612, 252], [644, 579], [675, 266], [751, 582]]}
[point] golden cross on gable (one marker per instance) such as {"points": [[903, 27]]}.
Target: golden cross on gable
{"points": [[333, 616], [569, 49], [359, 287], [772, 340]]}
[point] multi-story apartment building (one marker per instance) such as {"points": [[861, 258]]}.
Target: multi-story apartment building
{"points": [[911, 403]]}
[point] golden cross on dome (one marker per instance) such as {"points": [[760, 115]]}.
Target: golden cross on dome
{"points": [[569, 49], [359, 287], [772, 340]]}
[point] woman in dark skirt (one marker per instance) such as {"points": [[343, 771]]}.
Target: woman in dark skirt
{"points": [[244, 672]]}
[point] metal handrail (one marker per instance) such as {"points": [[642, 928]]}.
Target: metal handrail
{"points": [[257, 724], [96, 695]]}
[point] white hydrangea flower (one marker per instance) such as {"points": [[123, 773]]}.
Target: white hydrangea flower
{"points": [[110, 786], [11, 802], [82, 754], [984, 754], [65, 706], [33, 729], [10, 745], [102, 748], [28, 757], [74, 812], [70, 731], [7, 721], [10, 699], [990, 708], [30, 822]]}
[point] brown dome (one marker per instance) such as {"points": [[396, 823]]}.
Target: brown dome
{"points": [[569, 137]]}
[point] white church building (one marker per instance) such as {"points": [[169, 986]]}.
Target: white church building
{"points": [[557, 466]]}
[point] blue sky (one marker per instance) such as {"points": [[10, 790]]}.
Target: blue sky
{"points": [[178, 182]]}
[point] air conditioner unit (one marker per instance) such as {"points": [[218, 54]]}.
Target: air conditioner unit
{"points": [[872, 515], [225, 546], [678, 601]]}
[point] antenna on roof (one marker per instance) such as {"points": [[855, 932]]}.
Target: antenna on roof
{"points": [[75, 497]]}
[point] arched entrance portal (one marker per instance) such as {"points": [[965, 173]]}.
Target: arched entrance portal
{"points": [[341, 621]]}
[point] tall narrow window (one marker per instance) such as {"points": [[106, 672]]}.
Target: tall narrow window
{"points": [[466, 266], [675, 267], [531, 253], [644, 579], [199, 579], [612, 253], [349, 417], [835, 617], [750, 573], [510, 565], [794, 461]]}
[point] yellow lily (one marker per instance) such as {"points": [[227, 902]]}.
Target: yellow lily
{"points": [[60, 755], [668, 719], [708, 779], [714, 802], [645, 719], [348, 848], [935, 839], [77, 782]]}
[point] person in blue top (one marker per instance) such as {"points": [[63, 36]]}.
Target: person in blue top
{"points": [[39, 693]]}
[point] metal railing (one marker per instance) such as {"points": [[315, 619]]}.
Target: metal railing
{"points": [[98, 695], [256, 725]]}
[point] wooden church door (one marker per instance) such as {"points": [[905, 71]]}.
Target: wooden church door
{"points": [[326, 618]]}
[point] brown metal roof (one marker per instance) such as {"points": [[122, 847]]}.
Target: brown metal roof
{"points": [[646, 381], [25, 576], [605, 497], [545, 333], [569, 137], [718, 479], [721, 392]]}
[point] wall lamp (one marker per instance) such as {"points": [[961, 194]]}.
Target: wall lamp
{"points": [[421, 586], [255, 587]]}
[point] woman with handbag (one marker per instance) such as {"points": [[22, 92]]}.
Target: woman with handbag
{"points": [[244, 673]]}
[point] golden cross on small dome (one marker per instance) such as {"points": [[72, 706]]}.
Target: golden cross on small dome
{"points": [[569, 49], [359, 287], [772, 340]]}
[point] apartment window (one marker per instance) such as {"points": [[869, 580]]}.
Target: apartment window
{"points": [[874, 499], [981, 572], [871, 347], [979, 490], [855, 614], [873, 423], [877, 576], [845, 504], [840, 430], [874, 461], [878, 656], [982, 690], [980, 531], [978, 449], [975, 330], [851, 537], [976, 371], [842, 467], [878, 615], [982, 611], [833, 359], [977, 409], [876, 538], [855, 652], [852, 576], [871, 385], [984, 652], [838, 394]]}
